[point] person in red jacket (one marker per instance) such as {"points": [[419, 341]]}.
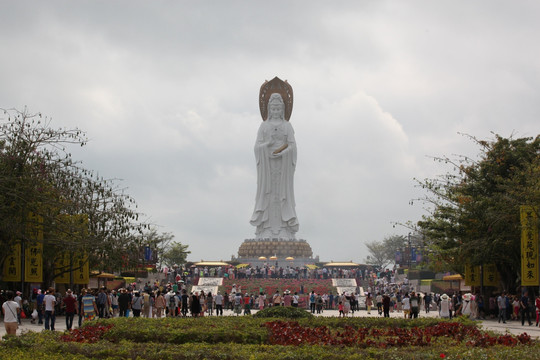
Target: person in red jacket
{"points": [[247, 304], [71, 308]]}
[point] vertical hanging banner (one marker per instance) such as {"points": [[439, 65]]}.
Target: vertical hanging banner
{"points": [[33, 263], [147, 253], [491, 275], [33, 255], [72, 227], [61, 267], [81, 270], [529, 246], [472, 275], [12, 265]]}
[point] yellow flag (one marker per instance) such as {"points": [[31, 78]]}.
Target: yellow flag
{"points": [[12, 264], [33, 264], [491, 275], [529, 246], [62, 266], [81, 269], [33, 255], [472, 275]]}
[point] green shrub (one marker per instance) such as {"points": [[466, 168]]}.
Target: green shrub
{"points": [[284, 313], [244, 330], [244, 337], [192, 351], [370, 322]]}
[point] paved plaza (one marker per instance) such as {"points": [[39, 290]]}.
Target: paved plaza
{"points": [[513, 327]]}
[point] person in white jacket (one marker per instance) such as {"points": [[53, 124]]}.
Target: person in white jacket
{"points": [[445, 307], [11, 311]]}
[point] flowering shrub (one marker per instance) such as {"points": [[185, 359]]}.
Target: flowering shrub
{"points": [[292, 333], [259, 338], [87, 334]]}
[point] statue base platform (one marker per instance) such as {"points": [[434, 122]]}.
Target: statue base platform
{"points": [[276, 252]]}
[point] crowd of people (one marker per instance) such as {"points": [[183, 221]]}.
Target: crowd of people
{"points": [[504, 307], [173, 299], [188, 275]]}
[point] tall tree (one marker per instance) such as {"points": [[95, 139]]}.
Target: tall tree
{"points": [[159, 245], [394, 244], [383, 253], [39, 177], [378, 255], [475, 208], [175, 254]]}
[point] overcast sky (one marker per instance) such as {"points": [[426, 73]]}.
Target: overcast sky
{"points": [[167, 91]]}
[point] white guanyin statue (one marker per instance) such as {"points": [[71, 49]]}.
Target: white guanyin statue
{"points": [[274, 215]]}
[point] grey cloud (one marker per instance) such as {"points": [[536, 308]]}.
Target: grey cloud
{"points": [[167, 92]]}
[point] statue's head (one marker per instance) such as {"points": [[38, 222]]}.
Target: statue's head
{"points": [[273, 88], [276, 107]]}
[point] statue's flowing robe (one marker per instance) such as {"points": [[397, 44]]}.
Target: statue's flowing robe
{"points": [[274, 214]]}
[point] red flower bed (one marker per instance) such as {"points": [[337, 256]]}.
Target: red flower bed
{"points": [[291, 333], [87, 334]]}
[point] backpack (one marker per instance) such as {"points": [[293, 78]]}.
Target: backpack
{"points": [[172, 301]]}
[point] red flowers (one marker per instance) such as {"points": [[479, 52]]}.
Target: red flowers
{"points": [[87, 334], [291, 333]]}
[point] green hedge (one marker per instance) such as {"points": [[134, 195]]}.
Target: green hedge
{"points": [[284, 312], [237, 338], [160, 351]]}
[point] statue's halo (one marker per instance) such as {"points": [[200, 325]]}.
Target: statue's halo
{"points": [[276, 85]]}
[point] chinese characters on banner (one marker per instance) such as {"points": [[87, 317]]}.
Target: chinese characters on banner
{"points": [[529, 246], [76, 227], [81, 270], [12, 265], [33, 263], [472, 275], [33, 255], [61, 267], [491, 275]]}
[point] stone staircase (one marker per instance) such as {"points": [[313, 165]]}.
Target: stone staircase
{"points": [[345, 286], [207, 285]]}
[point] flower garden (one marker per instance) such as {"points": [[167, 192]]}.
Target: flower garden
{"points": [[254, 337]]}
